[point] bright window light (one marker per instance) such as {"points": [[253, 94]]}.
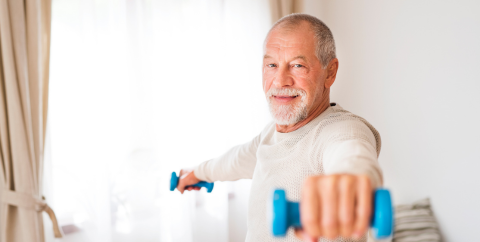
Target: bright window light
{"points": [[139, 89]]}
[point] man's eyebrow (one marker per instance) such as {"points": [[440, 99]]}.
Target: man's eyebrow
{"points": [[299, 57], [294, 58]]}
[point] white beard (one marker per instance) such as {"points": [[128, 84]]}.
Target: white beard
{"points": [[287, 114]]}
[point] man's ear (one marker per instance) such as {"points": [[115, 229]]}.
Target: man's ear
{"points": [[332, 69]]}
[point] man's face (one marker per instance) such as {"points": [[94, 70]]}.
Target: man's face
{"points": [[293, 78]]}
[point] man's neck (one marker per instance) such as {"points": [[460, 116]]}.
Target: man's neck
{"points": [[311, 116]]}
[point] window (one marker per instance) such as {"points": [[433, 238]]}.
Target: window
{"points": [[139, 89]]}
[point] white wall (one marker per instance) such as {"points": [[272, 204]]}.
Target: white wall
{"points": [[412, 69]]}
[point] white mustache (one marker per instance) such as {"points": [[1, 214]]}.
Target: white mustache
{"points": [[287, 114], [286, 92]]}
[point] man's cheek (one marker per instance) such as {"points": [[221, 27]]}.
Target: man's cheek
{"points": [[266, 86]]}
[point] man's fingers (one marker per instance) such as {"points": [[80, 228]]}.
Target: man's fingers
{"points": [[346, 201], [363, 209], [190, 188], [328, 199], [183, 182], [310, 209], [181, 186], [299, 233], [302, 235], [187, 178], [336, 205]]}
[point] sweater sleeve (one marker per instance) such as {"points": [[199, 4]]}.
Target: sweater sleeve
{"points": [[238, 163], [353, 151]]}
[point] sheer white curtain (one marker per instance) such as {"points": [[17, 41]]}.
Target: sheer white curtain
{"points": [[142, 88]]}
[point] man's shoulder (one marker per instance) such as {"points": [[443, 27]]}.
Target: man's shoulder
{"points": [[340, 124], [342, 117], [337, 116]]}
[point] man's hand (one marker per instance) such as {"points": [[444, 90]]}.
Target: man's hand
{"points": [[187, 178], [335, 205]]}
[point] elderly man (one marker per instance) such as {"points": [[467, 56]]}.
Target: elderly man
{"points": [[323, 155]]}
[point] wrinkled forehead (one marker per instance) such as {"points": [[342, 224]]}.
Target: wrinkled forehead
{"points": [[300, 37]]}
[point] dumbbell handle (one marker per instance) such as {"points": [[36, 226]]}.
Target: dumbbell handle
{"points": [[287, 213], [174, 182]]}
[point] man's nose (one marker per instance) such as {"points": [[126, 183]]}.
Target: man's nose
{"points": [[283, 78]]}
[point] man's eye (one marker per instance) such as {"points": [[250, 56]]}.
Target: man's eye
{"points": [[272, 65], [298, 65]]}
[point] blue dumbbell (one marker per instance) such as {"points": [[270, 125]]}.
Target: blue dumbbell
{"points": [[286, 214], [175, 178]]}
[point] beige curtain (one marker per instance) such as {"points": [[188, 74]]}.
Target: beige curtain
{"points": [[280, 8], [24, 63]]}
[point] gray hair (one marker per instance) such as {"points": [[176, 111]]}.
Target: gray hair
{"points": [[325, 46]]}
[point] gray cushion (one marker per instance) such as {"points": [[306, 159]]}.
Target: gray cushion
{"points": [[415, 222]]}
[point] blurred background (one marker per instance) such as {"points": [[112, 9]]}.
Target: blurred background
{"points": [[141, 88]]}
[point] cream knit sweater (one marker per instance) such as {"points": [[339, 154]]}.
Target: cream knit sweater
{"points": [[336, 141]]}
